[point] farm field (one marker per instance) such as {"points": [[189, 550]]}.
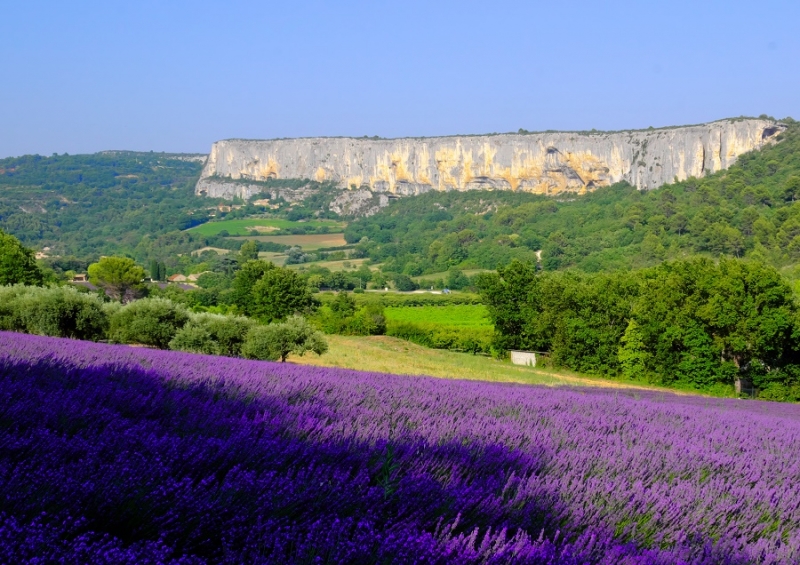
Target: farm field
{"points": [[128, 455], [308, 242], [277, 258], [461, 315], [335, 266], [244, 226]]}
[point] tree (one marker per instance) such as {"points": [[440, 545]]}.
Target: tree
{"points": [[151, 321], [633, 355], [276, 341], [248, 251], [791, 191], [295, 256], [244, 282], [121, 277], [280, 293], [213, 334], [456, 279], [158, 270], [226, 265], [379, 280], [58, 311], [751, 315], [17, 263], [506, 295], [404, 283], [343, 305], [652, 247]]}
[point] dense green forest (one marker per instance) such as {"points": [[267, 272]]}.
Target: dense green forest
{"points": [[751, 210], [104, 203], [692, 323]]}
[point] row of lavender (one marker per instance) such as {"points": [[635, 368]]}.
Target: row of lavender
{"points": [[110, 454]]}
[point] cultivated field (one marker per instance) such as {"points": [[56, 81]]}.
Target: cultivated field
{"points": [[265, 225], [114, 454], [308, 242], [461, 315], [343, 265]]}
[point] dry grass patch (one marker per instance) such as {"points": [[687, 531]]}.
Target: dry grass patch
{"points": [[391, 355]]}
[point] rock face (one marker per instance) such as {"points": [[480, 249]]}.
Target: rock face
{"points": [[541, 163]]}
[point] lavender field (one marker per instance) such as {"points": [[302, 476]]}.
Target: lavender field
{"points": [[111, 454]]}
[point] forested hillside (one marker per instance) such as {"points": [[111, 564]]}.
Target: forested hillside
{"points": [[749, 210], [103, 203]]}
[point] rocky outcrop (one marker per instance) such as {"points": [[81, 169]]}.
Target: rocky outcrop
{"points": [[541, 163], [358, 202], [220, 187]]}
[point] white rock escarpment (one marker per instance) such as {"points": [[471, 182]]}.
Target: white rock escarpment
{"points": [[540, 163]]}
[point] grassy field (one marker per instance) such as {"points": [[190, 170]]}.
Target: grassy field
{"points": [[276, 258], [309, 242], [462, 315], [265, 225], [391, 355]]}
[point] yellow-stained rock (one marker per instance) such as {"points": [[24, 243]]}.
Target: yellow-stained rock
{"points": [[541, 163]]}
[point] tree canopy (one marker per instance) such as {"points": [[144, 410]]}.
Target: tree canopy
{"points": [[119, 276], [281, 293], [694, 322], [17, 263]]}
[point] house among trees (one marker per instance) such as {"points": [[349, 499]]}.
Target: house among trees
{"points": [[177, 278], [81, 277], [195, 276]]}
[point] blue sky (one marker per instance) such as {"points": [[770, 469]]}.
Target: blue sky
{"points": [[85, 76]]}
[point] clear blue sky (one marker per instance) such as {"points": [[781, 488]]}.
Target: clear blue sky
{"points": [[84, 76]]}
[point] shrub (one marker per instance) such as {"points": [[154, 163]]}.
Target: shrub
{"points": [[369, 320], [343, 317], [276, 341], [194, 338], [9, 320], [150, 321], [213, 334], [53, 311]]}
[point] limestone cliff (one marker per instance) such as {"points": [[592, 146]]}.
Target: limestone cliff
{"points": [[541, 163]]}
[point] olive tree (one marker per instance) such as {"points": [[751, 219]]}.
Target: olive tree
{"points": [[150, 321], [276, 341], [213, 334]]}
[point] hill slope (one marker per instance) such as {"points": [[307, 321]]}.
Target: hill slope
{"points": [[100, 203], [751, 209]]}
